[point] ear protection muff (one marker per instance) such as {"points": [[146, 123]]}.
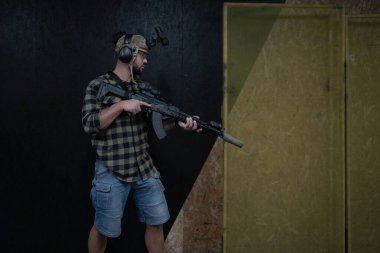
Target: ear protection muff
{"points": [[126, 53]]}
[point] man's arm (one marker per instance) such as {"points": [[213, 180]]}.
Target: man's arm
{"points": [[95, 119], [90, 110], [189, 125], [168, 123], [109, 114]]}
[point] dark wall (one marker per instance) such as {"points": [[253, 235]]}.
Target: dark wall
{"points": [[49, 51]]}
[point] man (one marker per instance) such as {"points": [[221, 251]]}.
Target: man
{"points": [[118, 130]]}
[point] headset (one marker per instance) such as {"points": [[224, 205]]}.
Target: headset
{"points": [[127, 52]]}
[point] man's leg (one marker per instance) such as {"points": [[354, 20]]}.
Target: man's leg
{"points": [[108, 195], [96, 241], [153, 209], [154, 238]]}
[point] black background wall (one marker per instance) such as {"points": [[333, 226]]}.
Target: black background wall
{"points": [[50, 50]]}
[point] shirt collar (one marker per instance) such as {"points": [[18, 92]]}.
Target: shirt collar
{"points": [[121, 83], [115, 77]]}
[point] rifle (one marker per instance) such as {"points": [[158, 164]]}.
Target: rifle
{"points": [[160, 108]]}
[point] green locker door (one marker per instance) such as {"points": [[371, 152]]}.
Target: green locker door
{"points": [[363, 133], [284, 82]]}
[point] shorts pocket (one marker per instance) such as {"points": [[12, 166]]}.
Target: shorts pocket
{"points": [[157, 178], [103, 192]]}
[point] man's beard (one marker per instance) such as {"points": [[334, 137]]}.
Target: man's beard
{"points": [[136, 71]]}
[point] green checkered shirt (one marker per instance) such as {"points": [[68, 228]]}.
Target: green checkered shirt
{"points": [[123, 146]]}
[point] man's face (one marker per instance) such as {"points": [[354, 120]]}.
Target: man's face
{"points": [[139, 62]]}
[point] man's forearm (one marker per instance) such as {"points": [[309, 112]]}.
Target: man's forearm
{"points": [[168, 124]]}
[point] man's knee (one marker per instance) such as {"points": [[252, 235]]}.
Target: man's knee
{"points": [[96, 233]]}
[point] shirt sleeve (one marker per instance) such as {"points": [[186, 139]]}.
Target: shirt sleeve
{"points": [[91, 109]]}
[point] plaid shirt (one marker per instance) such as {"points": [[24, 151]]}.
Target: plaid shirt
{"points": [[123, 145]]}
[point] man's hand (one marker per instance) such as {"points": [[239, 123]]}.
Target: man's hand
{"points": [[190, 124], [132, 105], [109, 114]]}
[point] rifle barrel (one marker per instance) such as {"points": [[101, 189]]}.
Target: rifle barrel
{"points": [[230, 139]]}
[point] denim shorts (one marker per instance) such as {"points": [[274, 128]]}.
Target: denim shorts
{"points": [[109, 195]]}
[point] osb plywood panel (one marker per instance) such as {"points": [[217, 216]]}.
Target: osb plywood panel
{"points": [[198, 228], [363, 135], [285, 188]]}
